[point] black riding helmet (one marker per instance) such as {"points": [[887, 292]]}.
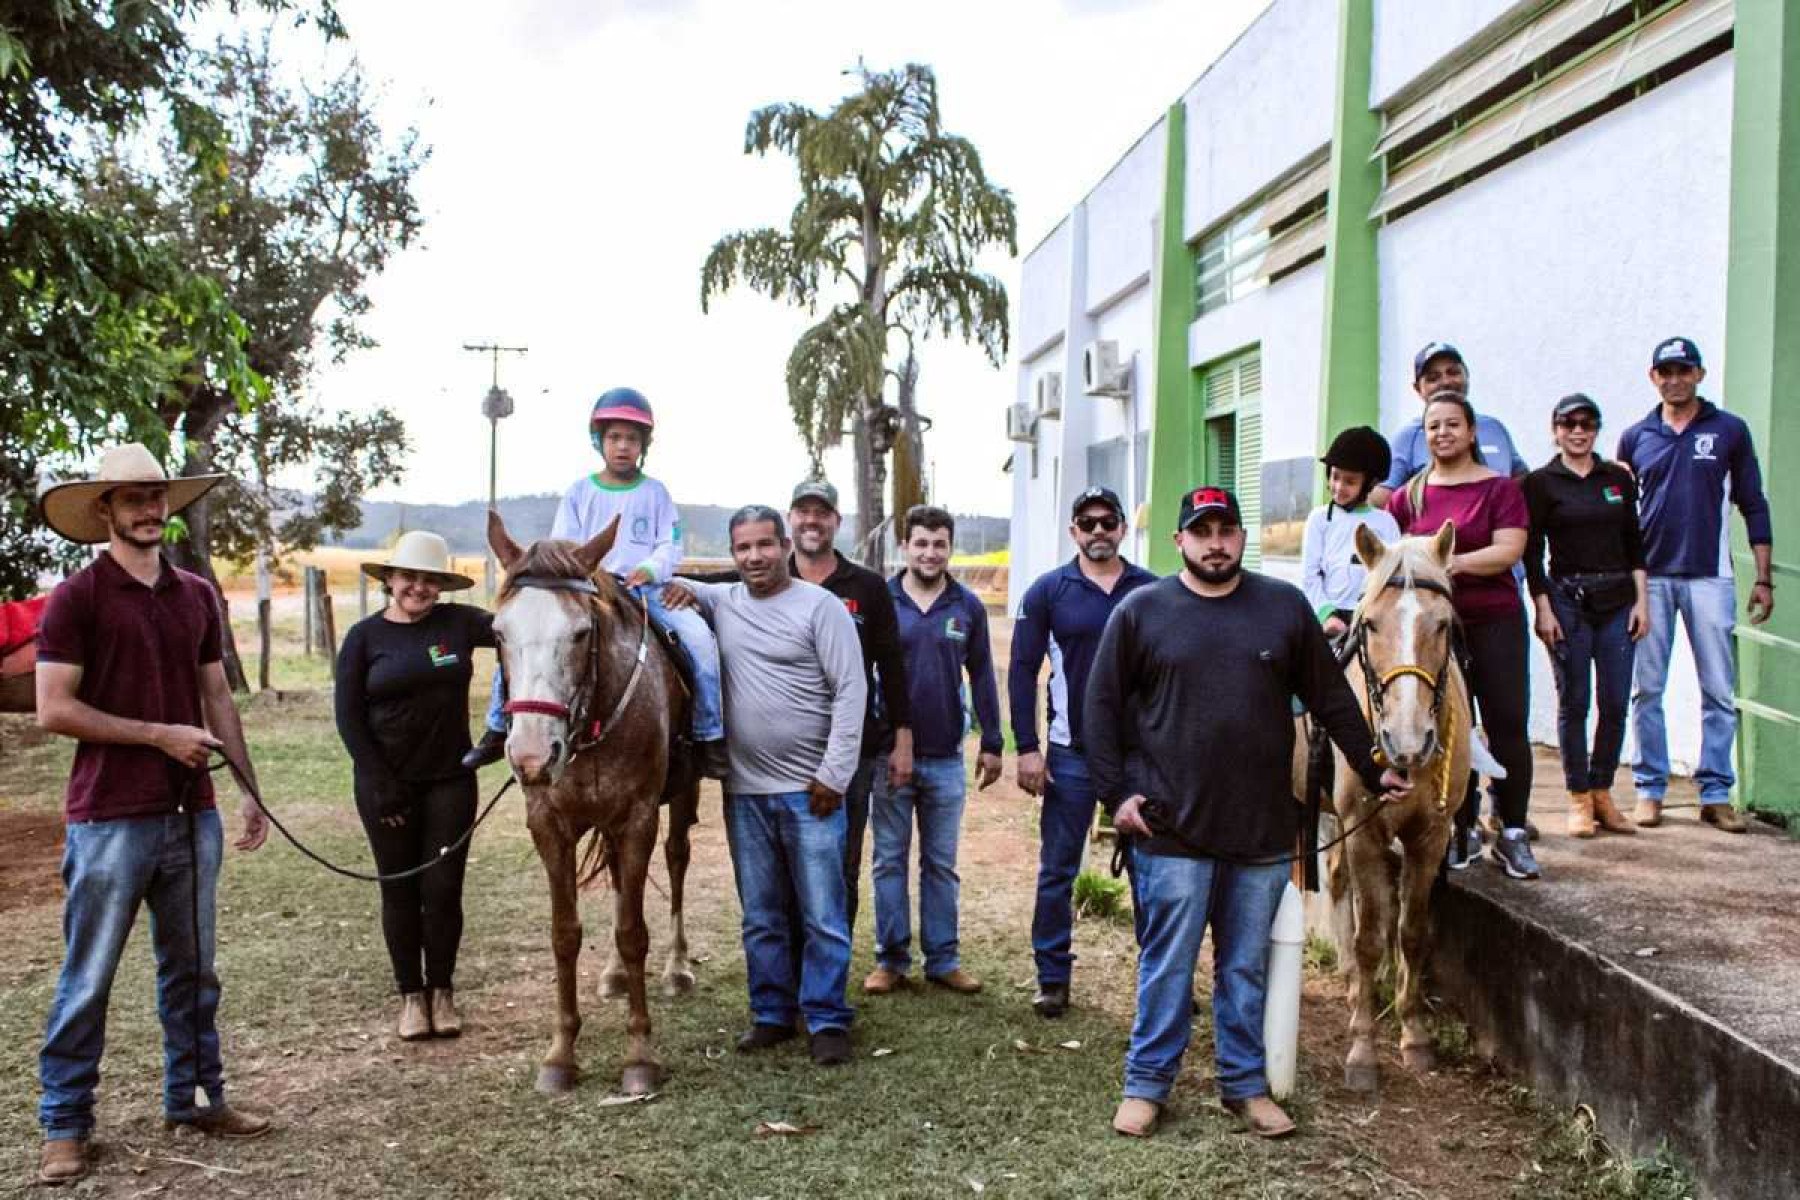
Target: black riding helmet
{"points": [[1360, 448]]}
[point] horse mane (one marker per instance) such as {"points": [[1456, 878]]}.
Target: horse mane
{"points": [[1410, 559]]}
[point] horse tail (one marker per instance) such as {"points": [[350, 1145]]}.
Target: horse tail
{"points": [[596, 857]]}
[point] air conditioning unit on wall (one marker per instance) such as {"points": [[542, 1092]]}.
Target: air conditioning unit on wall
{"points": [[1049, 394], [1102, 373], [1020, 424]]}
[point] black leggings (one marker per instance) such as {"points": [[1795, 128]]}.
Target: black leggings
{"points": [[422, 917], [1497, 676]]}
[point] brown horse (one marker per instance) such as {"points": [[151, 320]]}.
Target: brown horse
{"points": [[595, 708], [1405, 674]]}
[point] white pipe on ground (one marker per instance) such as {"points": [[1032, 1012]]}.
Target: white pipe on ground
{"points": [[1281, 1005]]}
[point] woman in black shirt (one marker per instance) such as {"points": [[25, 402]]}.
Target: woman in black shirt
{"points": [[1591, 605], [403, 713]]}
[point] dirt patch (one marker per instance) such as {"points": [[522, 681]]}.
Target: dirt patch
{"points": [[28, 869]]}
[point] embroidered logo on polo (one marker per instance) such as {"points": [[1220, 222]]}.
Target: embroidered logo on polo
{"points": [[443, 656], [955, 630], [640, 528], [1613, 494], [1703, 445], [854, 609]]}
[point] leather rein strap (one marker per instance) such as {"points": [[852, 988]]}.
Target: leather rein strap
{"points": [[587, 734]]}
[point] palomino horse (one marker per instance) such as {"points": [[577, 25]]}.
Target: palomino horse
{"points": [[595, 709], [1405, 674]]}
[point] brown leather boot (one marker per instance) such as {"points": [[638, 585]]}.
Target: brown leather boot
{"points": [[224, 1121], [1581, 814], [63, 1161], [1136, 1118], [415, 1018], [446, 1022], [883, 980], [1607, 813], [1262, 1116], [1723, 817], [957, 980], [1649, 812]]}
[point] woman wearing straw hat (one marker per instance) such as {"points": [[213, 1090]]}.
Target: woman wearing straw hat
{"points": [[403, 712]]}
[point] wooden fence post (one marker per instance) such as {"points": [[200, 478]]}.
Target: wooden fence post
{"points": [[306, 610], [264, 619], [327, 624]]}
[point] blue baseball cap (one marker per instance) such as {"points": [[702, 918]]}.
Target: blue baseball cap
{"points": [[1432, 350], [1676, 350], [1097, 495]]}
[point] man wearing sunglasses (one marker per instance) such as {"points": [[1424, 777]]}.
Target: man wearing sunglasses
{"points": [[1685, 453], [1061, 618]]}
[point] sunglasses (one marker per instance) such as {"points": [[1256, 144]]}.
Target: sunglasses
{"points": [[1090, 524], [1587, 424]]}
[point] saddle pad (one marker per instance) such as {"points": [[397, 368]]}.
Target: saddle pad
{"points": [[18, 625]]}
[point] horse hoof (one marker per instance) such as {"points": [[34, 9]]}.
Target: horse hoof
{"points": [[1360, 1077], [678, 983], [1419, 1058], [612, 987], [556, 1081], [640, 1079]]}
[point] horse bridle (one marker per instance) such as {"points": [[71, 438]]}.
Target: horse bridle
{"points": [[585, 734], [1376, 684]]}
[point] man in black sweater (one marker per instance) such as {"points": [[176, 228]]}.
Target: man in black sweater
{"points": [[1190, 739]]}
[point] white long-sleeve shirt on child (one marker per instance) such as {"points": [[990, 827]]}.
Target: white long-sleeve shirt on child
{"points": [[1330, 573], [649, 526]]}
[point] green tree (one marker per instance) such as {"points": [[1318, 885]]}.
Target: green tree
{"points": [[892, 216], [307, 202]]}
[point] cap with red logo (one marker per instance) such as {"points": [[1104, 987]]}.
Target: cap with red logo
{"points": [[1207, 501]]}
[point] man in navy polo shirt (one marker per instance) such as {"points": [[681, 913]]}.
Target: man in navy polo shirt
{"points": [[1683, 453], [944, 636], [1439, 367], [1062, 616]]}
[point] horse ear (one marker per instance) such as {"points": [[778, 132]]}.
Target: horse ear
{"points": [[1369, 546], [591, 555], [500, 542], [1444, 544]]}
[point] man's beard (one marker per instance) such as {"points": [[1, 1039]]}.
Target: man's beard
{"points": [[1099, 552], [929, 575], [128, 535], [1206, 574]]}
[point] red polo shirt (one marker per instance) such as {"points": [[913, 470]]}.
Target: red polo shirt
{"points": [[140, 650]]}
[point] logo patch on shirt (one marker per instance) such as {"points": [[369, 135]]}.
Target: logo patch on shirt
{"points": [[640, 528], [1703, 445], [442, 656], [1613, 494], [955, 630], [854, 609]]}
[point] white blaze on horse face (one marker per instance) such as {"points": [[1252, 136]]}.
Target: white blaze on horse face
{"points": [[537, 629], [1407, 717]]}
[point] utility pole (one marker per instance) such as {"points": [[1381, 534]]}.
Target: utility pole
{"points": [[495, 405]]}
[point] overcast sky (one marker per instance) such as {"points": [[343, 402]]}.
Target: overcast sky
{"points": [[586, 155]]}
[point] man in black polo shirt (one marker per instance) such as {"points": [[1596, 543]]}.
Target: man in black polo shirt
{"points": [[128, 662]]}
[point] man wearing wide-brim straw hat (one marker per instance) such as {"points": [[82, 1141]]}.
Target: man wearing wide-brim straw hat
{"points": [[129, 663]]}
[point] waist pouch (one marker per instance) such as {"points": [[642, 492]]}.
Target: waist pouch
{"points": [[1600, 594]]}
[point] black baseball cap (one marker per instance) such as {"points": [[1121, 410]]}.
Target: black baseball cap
{"points": [[1676, 350], [816, 489], [1097, 495], [1573, 403], [1432, 350], [1208, 501]]}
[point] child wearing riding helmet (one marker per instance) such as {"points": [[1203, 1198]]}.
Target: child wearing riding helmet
{"points": [[645, 555], [1331, 574]]}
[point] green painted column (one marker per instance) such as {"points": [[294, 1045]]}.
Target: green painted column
{"points": [[1350, 368], [1173, 437], [1762, 364]]}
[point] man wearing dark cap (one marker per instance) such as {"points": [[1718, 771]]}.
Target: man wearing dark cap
{"points": [[1685, 453], [1190, 737], [1439, 367], [1061, 617]]}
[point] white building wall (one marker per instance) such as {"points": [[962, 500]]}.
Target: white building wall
{"points": [[1287, 320], [1264, 106], [1129, 324], [1119, 211], [1043, 292], [1411, 37], [1559, 272], [1033, 539]]}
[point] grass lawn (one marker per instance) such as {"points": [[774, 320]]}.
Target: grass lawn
{"points": [[948, 1096]]}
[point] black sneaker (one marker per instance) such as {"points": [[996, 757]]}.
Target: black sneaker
{"points": [[1052, 999], [761, 1037], [1464, 849], [490, 749], [1511, 852], [713, 762], [831, 1047]]}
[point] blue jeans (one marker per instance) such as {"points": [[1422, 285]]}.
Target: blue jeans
{"points": [[698, 646], [1063, 823], [935, 793], [785, 858], [1706, 607], [1179, 897], [108, 869], [1593, 649]]}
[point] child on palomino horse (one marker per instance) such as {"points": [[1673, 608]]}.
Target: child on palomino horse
{"points": [[1330, 573], [645, 555]]}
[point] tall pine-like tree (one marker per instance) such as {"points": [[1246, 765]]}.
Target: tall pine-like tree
{"points": [[892, 217]]}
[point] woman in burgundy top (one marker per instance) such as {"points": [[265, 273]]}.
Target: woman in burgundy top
{"points": [[1488, 510]]}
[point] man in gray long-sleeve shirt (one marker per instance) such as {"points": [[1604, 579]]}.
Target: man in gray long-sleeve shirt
{"points": [[794, 697]]}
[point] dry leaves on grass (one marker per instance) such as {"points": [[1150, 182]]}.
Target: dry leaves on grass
{"points": [[621, 1101], [783, 1129]]}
